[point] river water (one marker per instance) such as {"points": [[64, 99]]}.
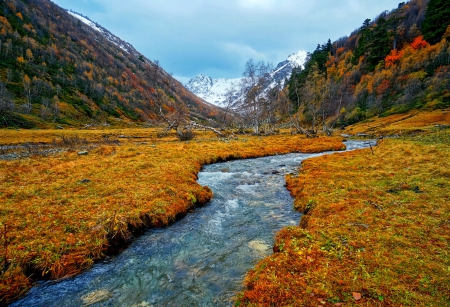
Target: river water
{"points": [[200, 260]]}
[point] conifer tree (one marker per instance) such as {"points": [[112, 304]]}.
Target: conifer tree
{"points": [[437, 19], [364, 38], [379, 46]]}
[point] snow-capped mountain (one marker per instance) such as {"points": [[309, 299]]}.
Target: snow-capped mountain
{"points": [[283, 70], [215, 91]]}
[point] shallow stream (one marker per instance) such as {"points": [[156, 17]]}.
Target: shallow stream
{"points": [[200, 260]]}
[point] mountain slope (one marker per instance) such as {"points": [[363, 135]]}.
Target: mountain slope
{"points": [[384, 67], [215, 91], [61, 68]]}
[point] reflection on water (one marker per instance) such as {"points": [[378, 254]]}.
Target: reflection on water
{"points": [[200, 260]]}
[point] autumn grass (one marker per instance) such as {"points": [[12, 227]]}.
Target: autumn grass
{"points": [[409, 123], [64, 211], [376, 231], [21, 136]]}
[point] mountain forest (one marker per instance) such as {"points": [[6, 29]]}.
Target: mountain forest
{"points": [[394, 63], [100, 147], [56, 69]]}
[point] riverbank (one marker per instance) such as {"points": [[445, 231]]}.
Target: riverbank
{"points": [[66, 210], [376, 230]]}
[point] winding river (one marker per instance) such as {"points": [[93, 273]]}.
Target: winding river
{"points": [[200, 260]]}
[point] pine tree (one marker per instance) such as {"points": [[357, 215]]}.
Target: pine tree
{"points": [[437, 18], [364, 37], [379, 45]]}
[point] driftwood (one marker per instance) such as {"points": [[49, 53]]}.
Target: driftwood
{"points": [[195, 125], [309, 133], [375, 205], [442, 126], [360, 225]]}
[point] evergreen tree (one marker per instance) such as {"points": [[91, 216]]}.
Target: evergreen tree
{"points": [[379, 45], [364, 38], [437, 19]]}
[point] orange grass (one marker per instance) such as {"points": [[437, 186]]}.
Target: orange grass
{"points": [[376, 232], [20, 136], [65, 211], [401, 123]]}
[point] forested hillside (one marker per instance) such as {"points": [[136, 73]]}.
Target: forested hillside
{"points": [[56, 69], [397, 62]]}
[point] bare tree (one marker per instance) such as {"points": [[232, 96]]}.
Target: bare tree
{"points": [[6, 103], [55, 107], [229, 101], [28, 91], [173, 114], [254, 82]]}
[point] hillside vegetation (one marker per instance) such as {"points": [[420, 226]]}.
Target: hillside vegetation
{"points": [[397, 62], [56, 70]]}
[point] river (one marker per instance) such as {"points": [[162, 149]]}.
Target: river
{"points": [[200, 260]]}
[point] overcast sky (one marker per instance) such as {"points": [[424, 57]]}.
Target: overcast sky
{"points": [[217, 37]]}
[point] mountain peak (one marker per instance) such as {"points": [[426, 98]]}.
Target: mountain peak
{"points": [[214, 90], [298, 59]]}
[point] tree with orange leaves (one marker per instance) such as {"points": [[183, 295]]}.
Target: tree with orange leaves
{"points": [[393, 58], [419, 43]]}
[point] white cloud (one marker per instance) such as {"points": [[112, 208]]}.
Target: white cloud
{"points": [[218, 37], [243, 52]]}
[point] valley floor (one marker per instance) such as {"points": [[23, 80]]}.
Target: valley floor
{"points": [[64, 209], [376, 230]]}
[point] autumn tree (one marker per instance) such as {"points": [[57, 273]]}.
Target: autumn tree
{"points": [[315, 92]]}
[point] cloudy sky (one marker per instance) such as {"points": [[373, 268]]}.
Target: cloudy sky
{"points": [[217, 37]]}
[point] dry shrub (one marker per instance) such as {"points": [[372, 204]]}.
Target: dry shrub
{"points": [[104, 150], [185, 134]]}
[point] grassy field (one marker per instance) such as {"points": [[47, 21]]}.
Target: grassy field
{"points": [[409, 123], [375, 233], [376, 229], [63, 211]]}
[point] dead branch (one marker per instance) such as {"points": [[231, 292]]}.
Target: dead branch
{"points": [[360, 225], [375, 205], [195, 125]]}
